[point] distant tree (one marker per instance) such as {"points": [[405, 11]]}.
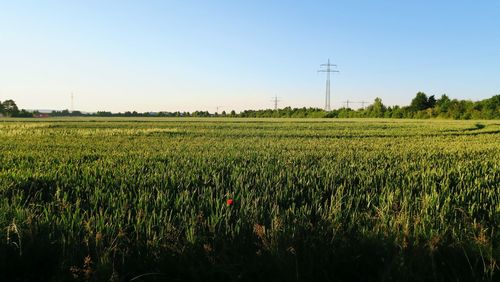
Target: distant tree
{"points": [[443, 100], [103, 114], [397, 112], [223, 113], [377, 109], [388, 112], [344, 112], [490, 108], [1, 108], [420, 102], [233, 113], [431, 101], [201, 114], [24, 114], [443, 105], [10, 108], [456, 109]]}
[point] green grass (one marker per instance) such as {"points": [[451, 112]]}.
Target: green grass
{"points": [[315, 200]]}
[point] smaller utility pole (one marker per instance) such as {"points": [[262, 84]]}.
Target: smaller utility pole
{"points": [[275, 101], [72, 102], [347, 104]]}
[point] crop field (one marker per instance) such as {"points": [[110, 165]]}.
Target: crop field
{"points": [[312, 200]]}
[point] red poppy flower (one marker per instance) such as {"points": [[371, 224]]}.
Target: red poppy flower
{"points": [[229, 202]]}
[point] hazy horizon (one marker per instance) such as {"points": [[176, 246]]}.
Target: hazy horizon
{"points": [[198, 55]]}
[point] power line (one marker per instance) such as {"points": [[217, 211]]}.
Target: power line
{"points": [[346, 103], [328, 70]]}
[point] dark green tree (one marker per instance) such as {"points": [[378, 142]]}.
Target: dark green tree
{"points": [[420, 102], [491, 107], [10, 108], [378, 107], [431, 102], [443, 105], [397, 112], [24, 114]]}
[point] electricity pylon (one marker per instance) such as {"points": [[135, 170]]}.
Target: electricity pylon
{"points": [[328, 70]]}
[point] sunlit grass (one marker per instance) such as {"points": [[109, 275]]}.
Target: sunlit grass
{"points": [[119, 197]]}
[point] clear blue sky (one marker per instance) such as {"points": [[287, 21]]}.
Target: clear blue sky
{"points": [[196, 55]]}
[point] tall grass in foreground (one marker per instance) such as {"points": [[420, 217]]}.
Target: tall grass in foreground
{"points": [[313, 200]]}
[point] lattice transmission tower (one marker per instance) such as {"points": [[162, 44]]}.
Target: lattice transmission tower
{"points": [[328, 69]]}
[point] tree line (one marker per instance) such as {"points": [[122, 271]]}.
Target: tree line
{"points": [[421, 107]]}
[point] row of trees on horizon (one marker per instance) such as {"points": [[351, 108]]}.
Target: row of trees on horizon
{"points": [[421, 107]]}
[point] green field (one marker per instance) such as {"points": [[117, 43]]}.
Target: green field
{"points": [[314, 200]]}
